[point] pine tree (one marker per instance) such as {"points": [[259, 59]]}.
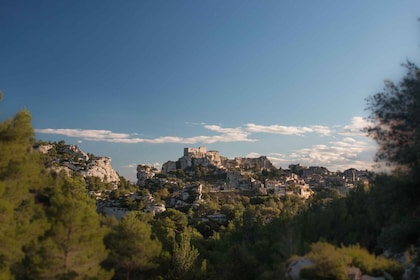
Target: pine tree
{"points": [[185, 254], [395, 114], [73, 247], [132, 249], [21, 176]]}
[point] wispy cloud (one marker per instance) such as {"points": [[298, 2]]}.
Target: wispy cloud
{"points": [[224, 135], [157, 165], [253, 155], [288, 130], [130, 166], [218, 134], [341, 154], [87, 134], [356, 127]]}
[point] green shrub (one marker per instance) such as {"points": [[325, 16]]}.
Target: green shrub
{"points": [[370, 264], [332, 263]]}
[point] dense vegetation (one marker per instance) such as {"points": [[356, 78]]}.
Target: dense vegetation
{"points": [[49, 227]]}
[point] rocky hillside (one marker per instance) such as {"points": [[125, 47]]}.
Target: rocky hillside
{"points": [[70, 158], [195, 157]]}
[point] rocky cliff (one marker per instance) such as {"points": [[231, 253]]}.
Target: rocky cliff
{"points": [[72, 159], [144, 173]]}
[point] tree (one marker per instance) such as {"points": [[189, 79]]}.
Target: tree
{"points": [[198, 172], [180, 173], [73, 247], [329, 263], [184, 255], [395, 114], [132, 247], [21, 176], [239, 264], [179, 219], [167, 225], [126, 184]]}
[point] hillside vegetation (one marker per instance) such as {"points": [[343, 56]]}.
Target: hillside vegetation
{"points": [[51, 229]]}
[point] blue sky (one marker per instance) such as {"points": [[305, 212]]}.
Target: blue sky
{"points": [[140, 80]]}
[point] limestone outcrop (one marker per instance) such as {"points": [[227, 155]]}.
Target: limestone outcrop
{"points": [[71, 158], [154, 207], [101, 167], [144, 173]]}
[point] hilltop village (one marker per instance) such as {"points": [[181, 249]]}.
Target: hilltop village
{"points": [[199, 170], [193, 179], [257, 174]]}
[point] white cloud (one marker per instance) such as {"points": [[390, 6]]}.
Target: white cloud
{"points": [[224, 135], [253, 155], [130, 166], [157, 165], [335, 155], [288, 130], [356, 126], [280, 160], [223, 130], [321, 129], [84, 133]]}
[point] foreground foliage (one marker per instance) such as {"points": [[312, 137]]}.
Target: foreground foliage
{"points": [[395, 114], [132, 249], [332, 263]]}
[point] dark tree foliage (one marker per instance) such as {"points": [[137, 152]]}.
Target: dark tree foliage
{"points": [[395, 114], [133, 251], [72, 248]]}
